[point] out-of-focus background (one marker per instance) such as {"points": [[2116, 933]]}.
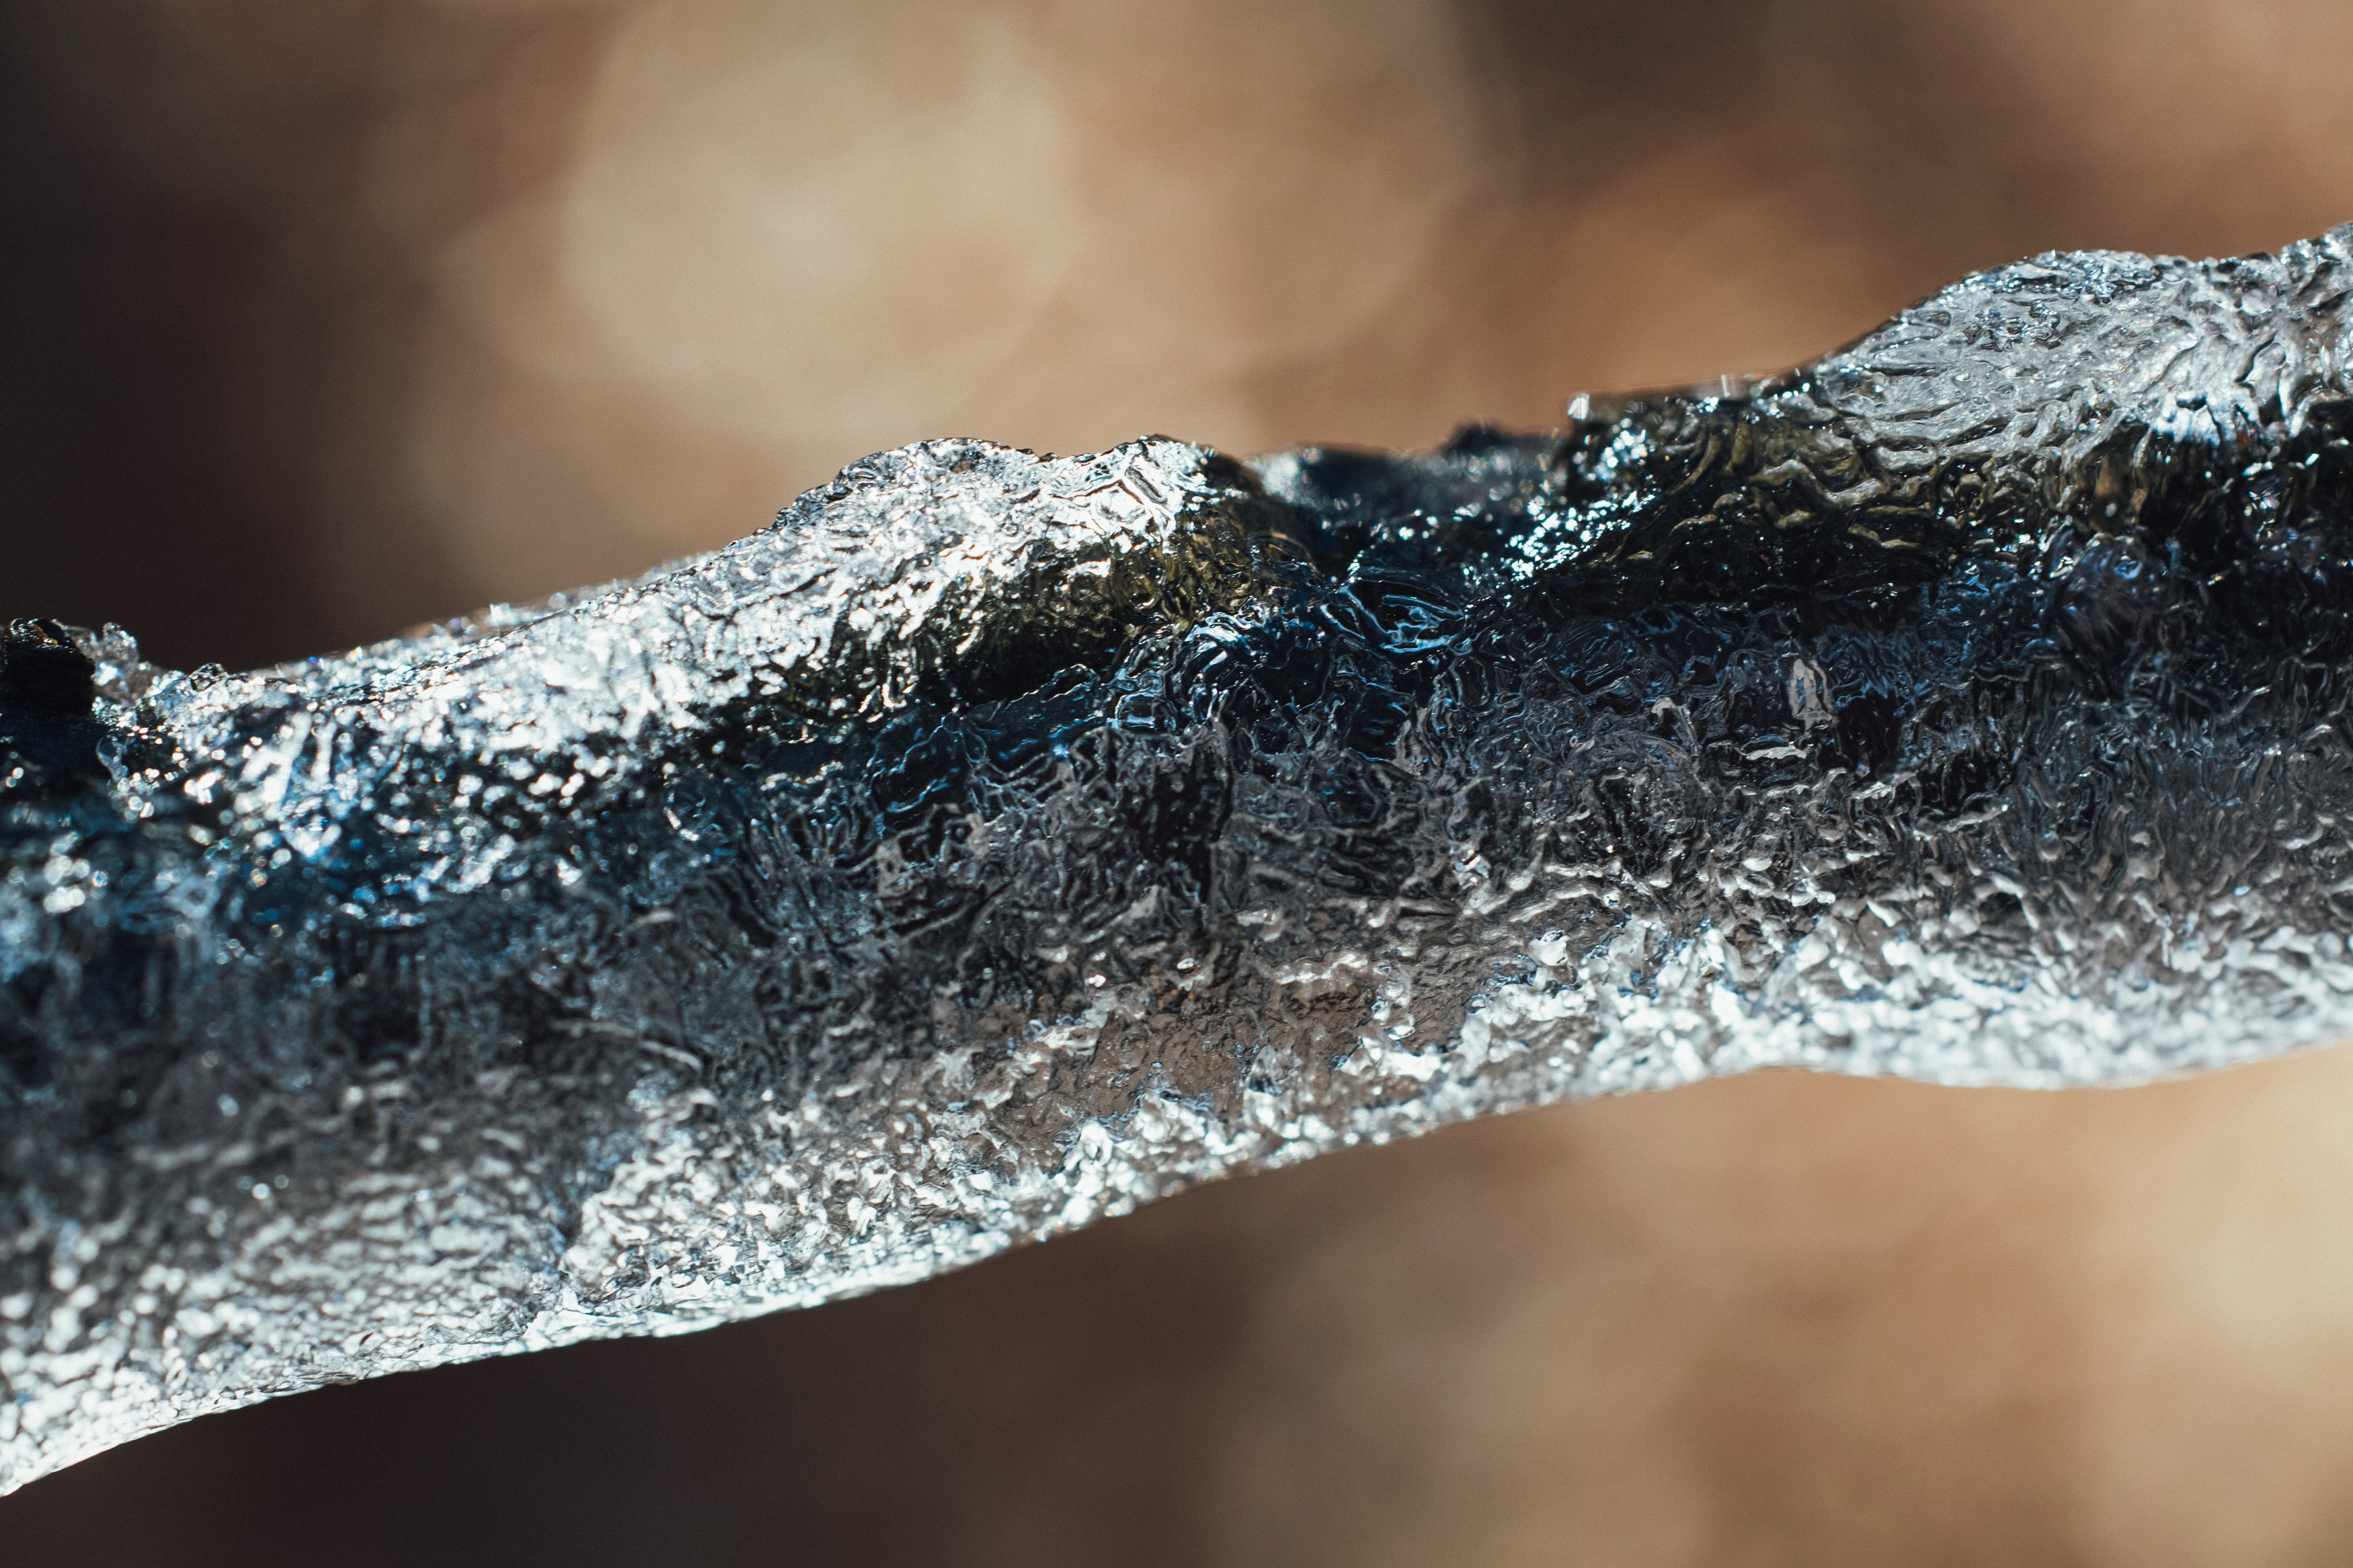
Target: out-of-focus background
{"points": [[319, 318]]}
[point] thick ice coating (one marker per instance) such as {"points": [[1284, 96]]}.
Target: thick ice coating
{"points": [[999, 841]]}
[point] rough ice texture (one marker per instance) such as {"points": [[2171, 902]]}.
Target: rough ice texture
{"points": [[999, 841]]}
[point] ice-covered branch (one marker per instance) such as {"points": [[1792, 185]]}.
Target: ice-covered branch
{"points": [[999, 841]]}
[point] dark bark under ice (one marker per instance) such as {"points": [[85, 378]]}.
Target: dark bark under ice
{"points": [[998, 841]]}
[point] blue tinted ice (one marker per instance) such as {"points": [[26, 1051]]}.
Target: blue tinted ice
{"points": [[999, 841]]}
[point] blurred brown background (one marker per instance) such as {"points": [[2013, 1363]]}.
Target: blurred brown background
{"points": [[322, 317]]}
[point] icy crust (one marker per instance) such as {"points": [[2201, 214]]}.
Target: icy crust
{"points": [[999, 841]]}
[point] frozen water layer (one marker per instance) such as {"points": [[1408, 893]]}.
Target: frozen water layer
{"points": [[999, 841]]}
